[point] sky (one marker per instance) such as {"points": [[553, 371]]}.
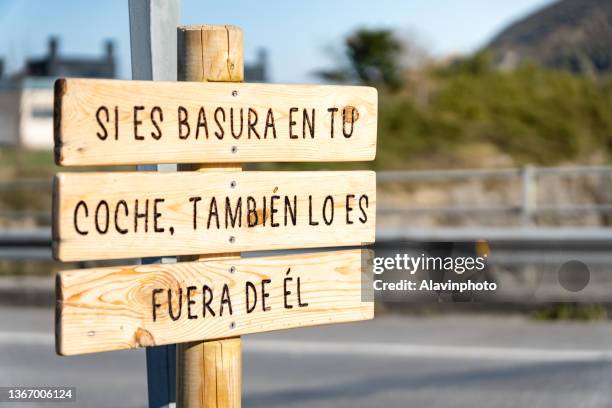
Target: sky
{"points": [[297, 35]]}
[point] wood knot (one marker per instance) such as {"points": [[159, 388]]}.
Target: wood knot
{"points": [[143, 338], [351, 114], [257, 217]]}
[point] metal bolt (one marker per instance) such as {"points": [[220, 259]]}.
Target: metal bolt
{"points": [[234, 93], [234, 149]]}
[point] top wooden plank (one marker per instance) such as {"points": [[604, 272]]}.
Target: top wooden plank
{"points": [[113, 122]]}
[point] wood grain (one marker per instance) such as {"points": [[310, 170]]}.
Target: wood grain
{"points": [[210, 53], [209, 373], [111, 308], [148, 131], [350, 224]]}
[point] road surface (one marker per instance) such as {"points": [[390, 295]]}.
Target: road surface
{"points": [[447, 361]]}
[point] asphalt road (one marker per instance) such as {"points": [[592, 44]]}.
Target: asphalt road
{"points": [[452, 361]]}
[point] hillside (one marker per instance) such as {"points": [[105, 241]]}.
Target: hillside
{"points": [[574, 35]]}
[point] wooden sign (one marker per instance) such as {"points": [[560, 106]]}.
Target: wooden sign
{"points": [[111, 122], [146, 305], [130, 215]]}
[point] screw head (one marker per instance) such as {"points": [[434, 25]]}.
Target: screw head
{"points": [[232, 269], [232, 325], [234, 149], [232, 239], [233, 184], [234, 93]]}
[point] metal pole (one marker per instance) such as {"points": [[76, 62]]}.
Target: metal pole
{"points": [[153, 25]]}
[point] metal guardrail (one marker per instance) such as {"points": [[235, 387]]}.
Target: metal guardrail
{"points": [[462, 174], [528, 208], [551, 235], [35, 244], [25, 244]]}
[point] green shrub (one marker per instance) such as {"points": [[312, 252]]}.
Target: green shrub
{"points": [[532, 115], [571, 311]]}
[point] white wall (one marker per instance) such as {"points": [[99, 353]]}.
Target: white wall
{"points": [[36, 127]]}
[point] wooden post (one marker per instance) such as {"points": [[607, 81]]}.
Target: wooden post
{"points": [[209, 372]]}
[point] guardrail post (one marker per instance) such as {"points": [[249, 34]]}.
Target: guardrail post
{"points": [[529, 196]]}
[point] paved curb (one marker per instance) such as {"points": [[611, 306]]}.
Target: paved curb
{"points": [[27, 291]]}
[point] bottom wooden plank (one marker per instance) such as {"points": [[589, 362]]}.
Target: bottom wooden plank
{"points": [[115, 308]]}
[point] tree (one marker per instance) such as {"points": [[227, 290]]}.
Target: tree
{"points": [[373, 57]]}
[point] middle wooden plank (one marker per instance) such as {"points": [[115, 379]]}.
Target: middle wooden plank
{"points": [[133, 215]]}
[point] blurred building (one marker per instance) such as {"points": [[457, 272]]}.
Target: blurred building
{"points": [[258, 71], [54, 65], [26, 98]]}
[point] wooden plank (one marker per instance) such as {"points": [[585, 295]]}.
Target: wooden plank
{"points": [[128, 215], [124, 307], [112, 122]]}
